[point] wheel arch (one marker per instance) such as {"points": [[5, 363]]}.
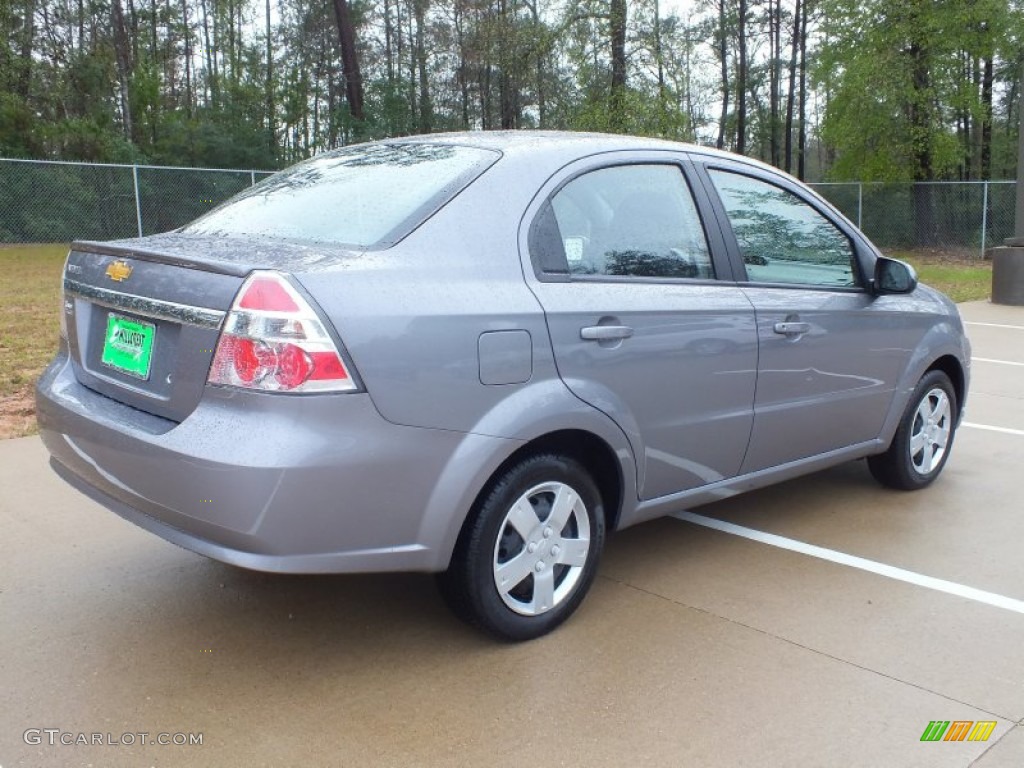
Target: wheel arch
{"points": [[596, 455], [589, 450], [929, 356], [951, 366]]}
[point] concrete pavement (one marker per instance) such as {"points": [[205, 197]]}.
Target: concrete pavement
{"points": [[695, 647]]}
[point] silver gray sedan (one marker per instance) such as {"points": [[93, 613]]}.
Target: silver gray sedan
{"points": [[476, 354]]}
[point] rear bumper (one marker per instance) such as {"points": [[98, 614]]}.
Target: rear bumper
{"points": [[303, 484]]}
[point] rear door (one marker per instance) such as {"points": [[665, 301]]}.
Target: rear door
{"points": [[645, 319], [829, 354]]}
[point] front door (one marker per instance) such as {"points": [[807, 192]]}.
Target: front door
{"points": [[829, 356]]}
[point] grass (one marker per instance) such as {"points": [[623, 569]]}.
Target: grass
{"points": [[30, 297], [29, 328], [960, 278]]}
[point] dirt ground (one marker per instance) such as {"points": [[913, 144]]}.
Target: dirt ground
{"points": [[29, 305], [17, 415]]}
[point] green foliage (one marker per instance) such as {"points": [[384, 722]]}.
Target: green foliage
{"points": [[900, 78], [18, 134], [897, 81], [646, 114]]}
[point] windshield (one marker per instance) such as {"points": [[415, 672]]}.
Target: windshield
{"points": [[367, 195]]}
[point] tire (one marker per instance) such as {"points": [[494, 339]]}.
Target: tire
{"points": [[922, 443], [515, 575]]}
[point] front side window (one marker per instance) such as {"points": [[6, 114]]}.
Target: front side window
{"points": [[366, 195], [631, 220], [783, 239]]}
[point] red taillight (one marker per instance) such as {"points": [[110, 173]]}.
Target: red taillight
{"points": [[268, 294], [294, 366], [273, 340], [327, 366]]}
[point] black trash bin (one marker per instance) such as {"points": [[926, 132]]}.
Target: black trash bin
{"points": [[1008, 275]]}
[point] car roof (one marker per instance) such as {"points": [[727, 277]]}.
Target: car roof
{"points": [[570, 144], [512, 140]]}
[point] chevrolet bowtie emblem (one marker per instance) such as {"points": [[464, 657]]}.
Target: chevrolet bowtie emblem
{"points": [[119, 271]]}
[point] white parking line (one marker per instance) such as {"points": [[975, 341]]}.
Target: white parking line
{"points": [[872, 566], [997, 325], [997, 362], [1004, 430]]}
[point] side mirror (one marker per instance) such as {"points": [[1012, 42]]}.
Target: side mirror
{"points": [[893, 276]]}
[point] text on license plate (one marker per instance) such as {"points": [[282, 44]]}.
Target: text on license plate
{"points": [[128, 345]]}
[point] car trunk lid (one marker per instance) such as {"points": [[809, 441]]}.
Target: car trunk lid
{"points": [[143, 316]]}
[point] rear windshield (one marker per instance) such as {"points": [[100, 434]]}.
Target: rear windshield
{"points": [[365, 196]]}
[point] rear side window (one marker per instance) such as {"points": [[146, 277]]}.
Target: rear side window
{"points": [[363, 196], [782, 238], [627, 221]]}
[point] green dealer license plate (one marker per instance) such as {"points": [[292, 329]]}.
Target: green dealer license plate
{"points": [[128, 346]]}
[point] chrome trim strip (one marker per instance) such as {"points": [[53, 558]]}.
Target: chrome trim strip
{"points": [[141, 305]]}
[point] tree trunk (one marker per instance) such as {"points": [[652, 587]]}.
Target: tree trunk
{"points": [[214, 53], [723, 55], [271, 127], [658, 58], [168, 62], [541, 47], [317, 70], [188, 57], [485, 96], [791, 94], [507, 87], [507, 98], [687, 95], [239, 39], [231, 42], [986, 118], [426, 116], [389, 62], [801, 148], [133, 23], [154, 118], [462, 73], [332, 123], [617, 29], [741, 81], [211, 80], [27, 42], [967, 134], [399, 43], [124, 66], [413, 108], [774, 78], [921, 127], [349, 59]]}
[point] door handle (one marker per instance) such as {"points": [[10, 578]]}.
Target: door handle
{"points": [[605, 332], [790, 328]]}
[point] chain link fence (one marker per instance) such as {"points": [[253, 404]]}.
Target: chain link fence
{"points": [[956, 216], [49, 201], [52, 202]]}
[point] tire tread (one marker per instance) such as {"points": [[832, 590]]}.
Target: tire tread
{"points": [[892, 468], [464, 586]]}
